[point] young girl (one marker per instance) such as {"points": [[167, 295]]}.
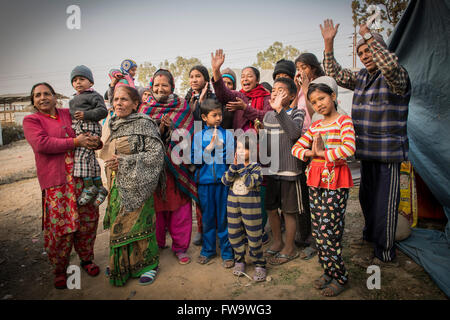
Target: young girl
{"points": [[328, 142], [244, 211]]}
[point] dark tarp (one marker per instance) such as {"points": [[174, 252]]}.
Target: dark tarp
{"points": [[421, 42]]}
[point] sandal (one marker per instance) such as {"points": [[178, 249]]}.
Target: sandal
{"points": [[308, 253], [322, 282], [87, 195], [101, 196], [333, 289], [204, 260], [239, 269], [148, 277], [91, 268], [265, 238], [60, 281], [270, 253], [229, 263], [260, 274], [282, 258], [183, 257]]}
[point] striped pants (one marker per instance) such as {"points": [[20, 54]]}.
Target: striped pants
{"points": [[245, 226], [379, 196], [327, 222]]}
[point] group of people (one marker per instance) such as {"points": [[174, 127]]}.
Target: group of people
{"points": [[151, 189]]}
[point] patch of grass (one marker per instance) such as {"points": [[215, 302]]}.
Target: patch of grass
{"points": [[287, 276]]}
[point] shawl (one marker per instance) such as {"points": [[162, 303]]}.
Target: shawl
{"points": [[127, 80], [141, 171], [256, 95], [181, 115]]}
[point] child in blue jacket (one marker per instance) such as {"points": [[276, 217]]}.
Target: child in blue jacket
{"points": [[212, 151]]}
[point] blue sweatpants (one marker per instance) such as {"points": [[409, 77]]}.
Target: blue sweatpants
{"points": [[213, 201], [379, 196]]}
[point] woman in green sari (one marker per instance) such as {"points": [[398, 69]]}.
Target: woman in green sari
{"points": [[134, 158]]}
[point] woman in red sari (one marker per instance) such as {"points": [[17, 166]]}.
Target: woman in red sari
{"points": [[65, 225]]}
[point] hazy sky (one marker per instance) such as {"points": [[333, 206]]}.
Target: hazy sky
{"points": [[37, 46]]}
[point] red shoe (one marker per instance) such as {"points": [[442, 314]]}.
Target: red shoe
{"points": [[60, 281], [91, 268]]}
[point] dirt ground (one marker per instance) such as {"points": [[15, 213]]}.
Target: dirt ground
{"points": [[25, 272]]}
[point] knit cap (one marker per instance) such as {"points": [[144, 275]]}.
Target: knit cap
{"points": [[284, 66], [329, 81], [126, 65], [228, 73], [82, 71]]}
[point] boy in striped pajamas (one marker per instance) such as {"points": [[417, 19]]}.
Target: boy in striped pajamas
{"points": [[244, 211]]}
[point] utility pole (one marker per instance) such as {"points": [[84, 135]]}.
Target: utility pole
{"points": [[354, 49]]}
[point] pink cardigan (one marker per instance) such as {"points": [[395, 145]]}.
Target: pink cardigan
{"points": [[48, 139]]}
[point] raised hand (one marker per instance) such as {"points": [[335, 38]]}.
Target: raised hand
{"points": [[217, 59], [203, 93], [305, 81], [277, 103], [328, 33], [329, 30]]}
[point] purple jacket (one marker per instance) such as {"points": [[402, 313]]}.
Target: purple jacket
{"points": [[48, 139], [241, 117]]}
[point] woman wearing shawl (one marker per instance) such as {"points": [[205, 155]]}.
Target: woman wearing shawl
{"points": [[134, 158], [250, 103], [174, 209]]}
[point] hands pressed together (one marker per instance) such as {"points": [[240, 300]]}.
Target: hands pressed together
{"points": [[317, 148]]}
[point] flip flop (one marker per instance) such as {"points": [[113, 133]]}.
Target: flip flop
{"points": [[183, 257], [204, 260], [308, 253], [229, 263], [148, 277], [270, 253], [275, 260]]}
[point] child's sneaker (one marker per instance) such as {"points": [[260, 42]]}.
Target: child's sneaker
{"points": [[101, 196], [87, 195]]}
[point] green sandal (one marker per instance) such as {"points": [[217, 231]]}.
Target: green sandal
{"points": [[333, 289], [148, 277]]}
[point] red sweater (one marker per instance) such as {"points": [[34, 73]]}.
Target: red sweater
{"points": [[50, 140]]}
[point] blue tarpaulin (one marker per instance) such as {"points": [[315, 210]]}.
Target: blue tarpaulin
{"points": [[421, 42]]}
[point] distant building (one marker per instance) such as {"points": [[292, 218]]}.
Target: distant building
{"points": [[14, 107]]}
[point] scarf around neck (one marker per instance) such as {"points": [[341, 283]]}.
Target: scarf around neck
{"points": [[256, 95], [182, 118]]}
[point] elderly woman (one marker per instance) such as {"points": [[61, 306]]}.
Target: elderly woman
{"points": [[250, 103], [134, 157], [174, 208], [65, 224]]}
